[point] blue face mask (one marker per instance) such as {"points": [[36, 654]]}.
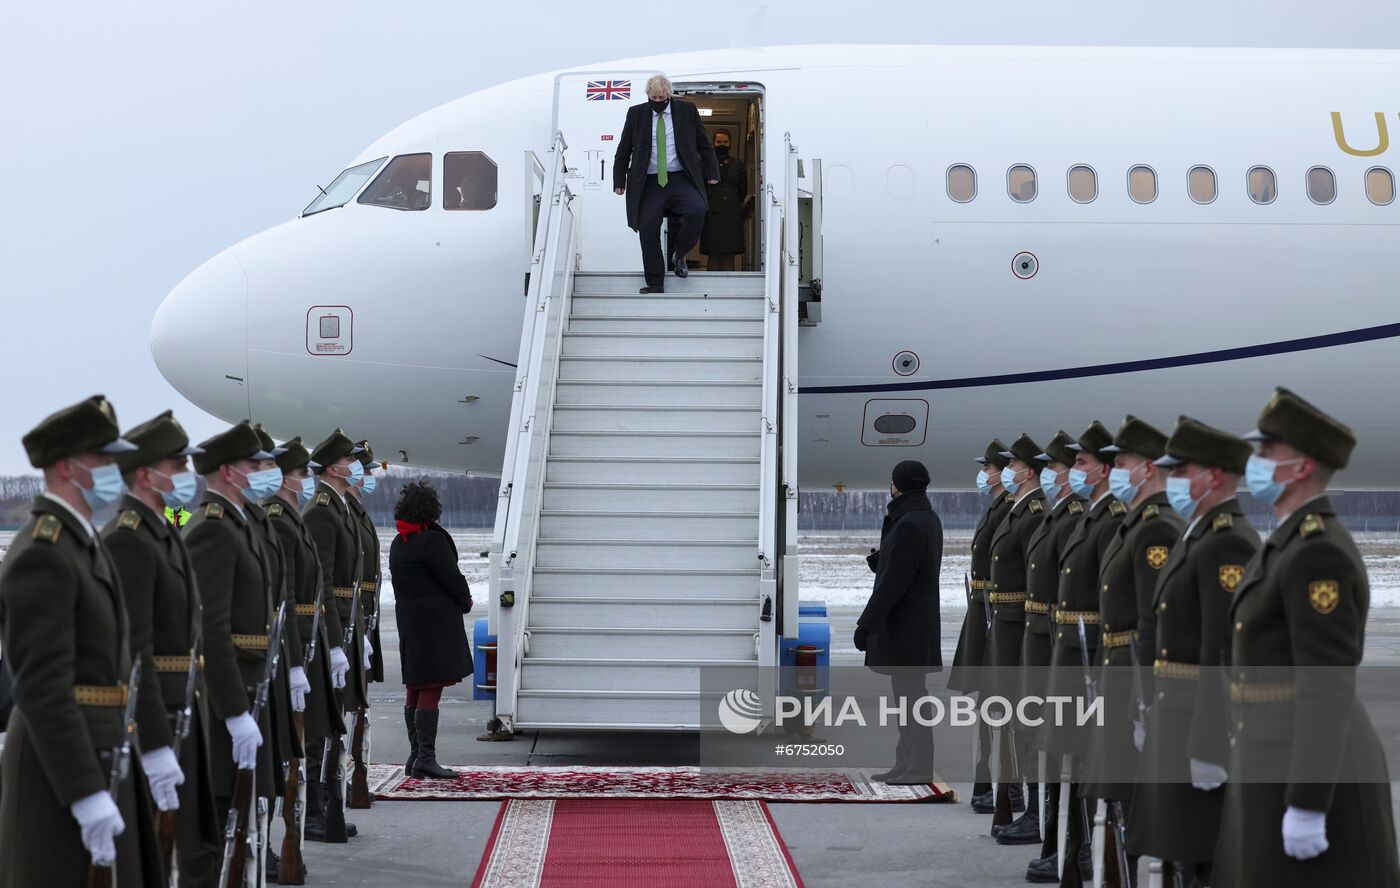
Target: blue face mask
{"points": [[369, 482], [1179, 495], [984, 482], [1259, 478], [106, 486], [264, 484], [1008, 480], [357, 472], [1120, 482], [1079, 483], [308, 489], [1050, 482], [184, 487]]}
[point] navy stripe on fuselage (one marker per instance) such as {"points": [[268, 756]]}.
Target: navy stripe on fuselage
{"points": [[1309, 343]]}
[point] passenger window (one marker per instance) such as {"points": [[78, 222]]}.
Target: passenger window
{"points": [[1142, 184], [1083, 184], [962, 182], [1020, 183], [1322, 185], [1380, 186], [405, 184], [1263, 187], [468, 181], [1201, 184]]}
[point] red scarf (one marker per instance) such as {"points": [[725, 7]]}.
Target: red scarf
{"points": [[408, 527]]}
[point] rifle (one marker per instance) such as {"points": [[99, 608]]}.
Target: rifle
{"points": [[291, 869], [358, 796], [102, 876], [236, 832], [165, 820], [1097, 830], [1137, 687]]}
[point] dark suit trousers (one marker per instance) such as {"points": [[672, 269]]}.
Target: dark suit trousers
{"points": [[915, 750], [681, 198]]}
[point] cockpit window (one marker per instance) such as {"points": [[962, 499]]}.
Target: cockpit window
{"points": [[468, 181], [339, 192], [405, 184]]}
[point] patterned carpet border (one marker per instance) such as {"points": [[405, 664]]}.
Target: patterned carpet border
{"points": [[499, 782]]}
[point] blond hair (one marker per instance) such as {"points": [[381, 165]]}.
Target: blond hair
{"points": [[659, 82]]}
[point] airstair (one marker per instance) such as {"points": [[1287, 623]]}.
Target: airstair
{"points": [[646, 528]]}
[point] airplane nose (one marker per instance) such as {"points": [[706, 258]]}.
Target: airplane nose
{"points": [[199, 337]]}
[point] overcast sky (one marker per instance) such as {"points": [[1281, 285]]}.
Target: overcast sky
{"points": [[140, 138]]}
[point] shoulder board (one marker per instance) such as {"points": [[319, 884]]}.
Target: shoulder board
{"points": [[1222, 521], [213, 510], [1117, 508], [1150, 511], [1311, 525], [1036, 505], [48, 529], [1010, 498], [129, 520], [323, 499], [1075, 508], [274, 510]]}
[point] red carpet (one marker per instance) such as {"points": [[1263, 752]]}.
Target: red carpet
{"points": [[581, 781], [615, 843]]}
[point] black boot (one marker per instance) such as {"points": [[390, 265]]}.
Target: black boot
{"points": [[426, 765], [314, 830], [1024, 831], [1018, 797], [335, 830], [984, 803], [1044, 870], [412, 726], [272, 865]]}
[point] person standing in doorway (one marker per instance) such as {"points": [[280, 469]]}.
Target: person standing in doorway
{"points": [[663, 155], [723, 236]]}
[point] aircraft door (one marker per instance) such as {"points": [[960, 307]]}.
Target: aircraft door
{"points": [[589, 109], [809, 240]]}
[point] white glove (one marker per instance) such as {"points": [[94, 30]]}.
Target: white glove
{"points": [[246, 740], [101, 823], [300, 688], [340, 667], [1304, 833], [1206, 776], [1139, 734], [164, 774], [369, 649]]}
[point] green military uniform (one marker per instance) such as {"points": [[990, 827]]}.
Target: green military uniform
{"points": [[1301, 738], [64, 627], [1008, 592], [372, 574], [167, 622], [966, 672], [337, 541], [238, 609]]}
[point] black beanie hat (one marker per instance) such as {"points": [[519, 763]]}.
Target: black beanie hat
{"points": [[909, 475]]}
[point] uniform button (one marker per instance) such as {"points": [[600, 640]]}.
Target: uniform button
{"points": [[1107, 628], [1059, 635], [996, 557], [1239, 627], [1105, 661], [1164, 653], [1162, 607], [1161, 695], [1064, 604], [1105, 587], [1239, 727], [1066, 570]]}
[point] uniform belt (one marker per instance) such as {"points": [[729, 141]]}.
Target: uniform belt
{"points": [[980, 584], [1118, 639], [1168, 669], [306, 610], [250, 642], [1063, 616], [1262, 692], [1006, 597], [1037, 607], [369, 587], [343, 591], [100, 695], [176, 663]]}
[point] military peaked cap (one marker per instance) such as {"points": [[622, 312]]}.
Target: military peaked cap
{"points": [[294, 456], [1290, 419], [1095, 438], [1059, 450], [86, 427], [366, 454], [1136, 436], [238, 443], [336, 446], [992, 455], [156, 439], [268, 445], [1193, 441], [1024, 449]]}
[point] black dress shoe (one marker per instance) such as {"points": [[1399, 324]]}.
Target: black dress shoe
{"points": [[1043, 871], [272, 864], [682, 269], [885, 776], [911, 778], [1024, 831], [983, 804], [652, 290]]}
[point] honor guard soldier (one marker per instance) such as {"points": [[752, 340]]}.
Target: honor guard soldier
{"points": [[1127, 587], [167, 624], [359, 796], [1308, 798], [338, 549], [238, 608], [64, 628], [966, 674], [1063, 511], [1010, 542], [1076, 605], [1176, 812]]}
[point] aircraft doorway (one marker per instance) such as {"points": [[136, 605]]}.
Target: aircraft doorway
{"points": [[736, 109]]}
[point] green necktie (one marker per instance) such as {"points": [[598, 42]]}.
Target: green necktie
{"points": [[661, 150]]}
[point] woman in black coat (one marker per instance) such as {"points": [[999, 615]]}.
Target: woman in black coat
{"points": [[430, 597]]}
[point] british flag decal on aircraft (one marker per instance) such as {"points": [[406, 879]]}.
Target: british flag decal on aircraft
{"points": [[608, 90]]}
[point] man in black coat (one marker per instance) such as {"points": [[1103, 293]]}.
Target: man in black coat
{"points": [[662, 156], [898, 630]]}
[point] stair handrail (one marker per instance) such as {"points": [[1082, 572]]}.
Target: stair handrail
{"points": [[768, 416], [787, 434]]}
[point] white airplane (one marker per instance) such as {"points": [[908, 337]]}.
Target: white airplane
{"points": [[1015, 239]]}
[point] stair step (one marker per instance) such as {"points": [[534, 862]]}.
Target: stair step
{"points": [[656, 553], [643, 419], [715, 283], [553, 673], [600, 612], [606, 583], [585, 343], [644, 642], [642, 470], [615, 391], [657, 367], [578, 523], [671, 305], [559, 495], [654, 443], [643, 324]]}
